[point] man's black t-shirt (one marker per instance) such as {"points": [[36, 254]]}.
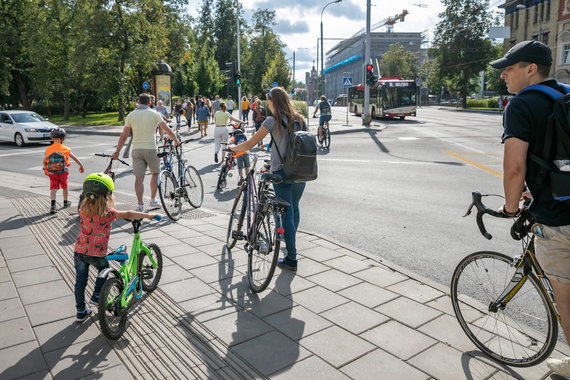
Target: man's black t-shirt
{"points": [[526, 118]]}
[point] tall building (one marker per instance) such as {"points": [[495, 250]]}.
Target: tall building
{"points": [[562, 52], [347, 58]]}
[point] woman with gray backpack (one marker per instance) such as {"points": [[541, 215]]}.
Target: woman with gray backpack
{"points": [[293, 157]]}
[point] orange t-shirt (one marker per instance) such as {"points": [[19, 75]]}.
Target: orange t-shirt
{"points": [[244, 105], [57, 147]]}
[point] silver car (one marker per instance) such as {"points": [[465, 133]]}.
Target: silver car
{"points": [[24, 127]]}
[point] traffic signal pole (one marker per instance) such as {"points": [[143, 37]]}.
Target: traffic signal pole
{"points": [[366, 111], [238, 100]]}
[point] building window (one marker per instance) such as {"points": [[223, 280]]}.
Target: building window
{"points": [[547, 3], [565, 54], [541, 12], [535, 20], [516, 16], [545, 38]]}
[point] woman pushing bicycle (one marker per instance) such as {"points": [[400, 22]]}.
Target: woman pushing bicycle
{"points": [[97, 213], [285, 115], [221, 118]]}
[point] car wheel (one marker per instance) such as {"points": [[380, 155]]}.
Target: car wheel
{"points": [[373, 114], [19, 139]]}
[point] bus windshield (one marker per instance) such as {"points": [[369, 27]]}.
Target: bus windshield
{"points": [[395, 97]]}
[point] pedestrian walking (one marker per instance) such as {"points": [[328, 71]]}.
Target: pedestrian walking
{"points": [[202, 116], [178, 111], [259, 115], [188, 112], [230, 105], [96, 216], [141, 123], [525, 124], [221, 130], [56, 163], [245, 106], [280, 126], [163, 111]]}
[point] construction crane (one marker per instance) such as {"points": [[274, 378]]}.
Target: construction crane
{"points": [[388, 22]]}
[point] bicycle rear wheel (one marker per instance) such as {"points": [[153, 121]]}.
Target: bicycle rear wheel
{"points": [[237, 216], [112, 319], [150, 274], [523, 332], [326, 138], [262, 252], [222, 177], [169, 195], [194, 187]]}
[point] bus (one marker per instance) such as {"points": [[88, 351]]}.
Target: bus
{"points": [[391, 97]]}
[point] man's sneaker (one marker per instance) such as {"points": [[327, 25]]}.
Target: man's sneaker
{"points": [[66, 204], [94, 301], [287, 263], [560, 366], [83, 315], [53, 209], [154, 203], [216, 158], [140, 208]]}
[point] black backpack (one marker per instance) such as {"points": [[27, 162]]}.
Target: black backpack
{"points": [[555, 156], [325, 107], [300, 161]]}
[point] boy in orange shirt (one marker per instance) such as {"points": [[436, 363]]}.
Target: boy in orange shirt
{"points": [[56, 161]]}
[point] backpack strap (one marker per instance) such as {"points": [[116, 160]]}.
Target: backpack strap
{"points": [[303, 128]]}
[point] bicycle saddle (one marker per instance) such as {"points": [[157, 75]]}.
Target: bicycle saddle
{"points": [[270, 177], [281, 202], [162, 154]]}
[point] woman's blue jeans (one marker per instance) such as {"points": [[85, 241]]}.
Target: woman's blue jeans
{"points": [[292, 193], [82, 263]]}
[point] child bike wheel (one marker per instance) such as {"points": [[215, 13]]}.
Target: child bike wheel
{"points": [[151, 273], [112, 318]]}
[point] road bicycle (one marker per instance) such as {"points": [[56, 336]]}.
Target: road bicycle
{"points": [[140, 271], [175, 128], [228, 162], [505, 304], [178, 181], [325, 138], [262, 211], [108, 170]]}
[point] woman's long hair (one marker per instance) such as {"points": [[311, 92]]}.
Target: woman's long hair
{"points": [[97, 206], [283, 109]]}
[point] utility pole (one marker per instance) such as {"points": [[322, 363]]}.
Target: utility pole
{"points": [[238, 100], [366, 111]]}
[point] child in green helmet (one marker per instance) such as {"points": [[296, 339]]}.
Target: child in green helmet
{"points": [[97, 213]]}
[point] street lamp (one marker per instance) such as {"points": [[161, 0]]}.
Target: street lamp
{"points": [[322, 61]]}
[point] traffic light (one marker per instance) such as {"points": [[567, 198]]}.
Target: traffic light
{"points": [[237, 79], [370, 77], [230, 72]]}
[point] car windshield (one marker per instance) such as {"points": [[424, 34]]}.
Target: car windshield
{"points": [[27, 117]]}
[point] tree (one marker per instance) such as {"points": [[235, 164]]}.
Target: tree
{"points": [[398, 62], [278, 71], [460, 45]]}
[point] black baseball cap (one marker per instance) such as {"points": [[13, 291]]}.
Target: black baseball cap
{"points": [[526, 51]]}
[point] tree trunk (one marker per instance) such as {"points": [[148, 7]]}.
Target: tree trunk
{"points": [[22, 89], [66, 107]]}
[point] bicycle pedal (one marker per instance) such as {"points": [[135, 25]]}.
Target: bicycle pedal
{"points": [[238, 235], [230, 175], [147, 274]]}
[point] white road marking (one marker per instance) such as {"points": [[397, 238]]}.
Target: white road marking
{"points": [[42, 150], [448, 140], [408, 138], [379, 161]]}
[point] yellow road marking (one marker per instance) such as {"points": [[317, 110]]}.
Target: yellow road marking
{"points": [[478, 165]]}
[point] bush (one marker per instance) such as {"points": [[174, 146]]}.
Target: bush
{"points": [[482, 103]]}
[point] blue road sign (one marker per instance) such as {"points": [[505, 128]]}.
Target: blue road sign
{"points": [[145, 85], [347, 82], [274, 84]]}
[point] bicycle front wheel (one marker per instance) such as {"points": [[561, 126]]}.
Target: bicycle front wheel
{"points": [[263, 252], [112, 318], [151, 273], [236, 218], [520, 333], [194, 187], [327, 138], [169, 195]]}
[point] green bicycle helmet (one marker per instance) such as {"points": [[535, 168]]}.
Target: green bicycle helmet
{"points": [[98, 184]]}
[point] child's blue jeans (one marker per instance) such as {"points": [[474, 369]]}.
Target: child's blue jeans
{"points": [[82, 263]]}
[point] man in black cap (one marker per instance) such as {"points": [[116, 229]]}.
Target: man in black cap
{"points": [[525, 120]]}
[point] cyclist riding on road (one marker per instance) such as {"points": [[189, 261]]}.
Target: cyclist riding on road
{"points": [[326, 114]]}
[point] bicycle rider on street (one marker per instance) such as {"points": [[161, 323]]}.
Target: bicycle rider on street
{"points": [[326, 114], [525, 121]]}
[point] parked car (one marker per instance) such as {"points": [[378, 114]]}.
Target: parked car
{"points": [[24, 127]]}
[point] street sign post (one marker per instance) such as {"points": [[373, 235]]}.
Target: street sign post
{"points": [[347, 82], [145, 85]]}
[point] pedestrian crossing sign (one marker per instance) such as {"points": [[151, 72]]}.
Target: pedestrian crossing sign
{"points": [[347, 82]]}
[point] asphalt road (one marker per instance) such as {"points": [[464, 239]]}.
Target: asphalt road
{"points": [[398, 189]]}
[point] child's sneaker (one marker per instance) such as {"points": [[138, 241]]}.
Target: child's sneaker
{"points": [[53, 209], [154, 203], [287, 263], [66, 204], [140, 208], [83, 315]]}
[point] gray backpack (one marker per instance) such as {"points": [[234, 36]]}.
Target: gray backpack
{"points": [[300, 160]]}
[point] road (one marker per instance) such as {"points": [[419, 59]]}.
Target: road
{"points": [[398, 189]]}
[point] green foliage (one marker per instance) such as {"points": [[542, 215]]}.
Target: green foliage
{"points": [[483, 103], [278, 71], [460, 46], [398, 62]]}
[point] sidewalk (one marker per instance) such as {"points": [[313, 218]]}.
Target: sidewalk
{"points": [[344, 315]]}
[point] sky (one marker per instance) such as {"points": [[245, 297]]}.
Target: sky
{"points": [[298, 22]]}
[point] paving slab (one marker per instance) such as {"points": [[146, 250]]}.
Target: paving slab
{"points": [[380, 276], [64, 333], [381, 365], [264, 304], [46, 291], [348, 264], [7, 290], [312, 367], [27, 247], [271, 352], [181, 249], [408, 312], [308, 267], [186, 289], [174, 273], [51, 310], [11, 309], [237, 327], [416, 290], [21, 360], [4, 274], [27, 263], [354, 317], [36, 276], [368, 295], [15, 331], [209, 307], [336, 346], [297, 322], [194, 260], [320, 253], [289, 283], [334, 280], [399, 340], [318, 299]]}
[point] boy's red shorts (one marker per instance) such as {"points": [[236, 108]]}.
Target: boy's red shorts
{"points": [[58, 181]]}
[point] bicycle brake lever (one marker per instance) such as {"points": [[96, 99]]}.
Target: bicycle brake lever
{"points": [[469, 209]]}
